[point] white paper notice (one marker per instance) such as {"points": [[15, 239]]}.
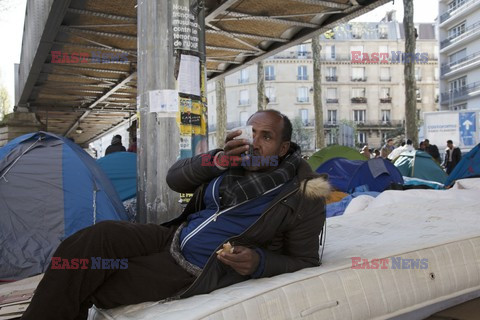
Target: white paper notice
{"points": [[163, 100], [189, 75]]}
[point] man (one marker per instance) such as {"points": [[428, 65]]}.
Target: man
{"points": [[116, 145], [387, 148], [453, 155], [432, 150], [406, 146], [272, 212]]}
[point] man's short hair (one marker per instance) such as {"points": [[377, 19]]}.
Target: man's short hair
{"points": [[450, 141], [287, 124], [426, 140], [390, 139], [409, 142]]}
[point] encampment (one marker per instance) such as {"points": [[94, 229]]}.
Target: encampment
{"points": [[374, 175], [419, 164], [334, 151], [468, 167], [49, 189]]}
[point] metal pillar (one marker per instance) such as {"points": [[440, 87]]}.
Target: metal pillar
{"points": [[168, 31]]}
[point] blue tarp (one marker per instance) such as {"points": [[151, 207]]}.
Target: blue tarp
{"points": [[121, 168], [468, 167], [372, 175]]}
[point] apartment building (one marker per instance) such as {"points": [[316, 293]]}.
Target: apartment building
{"points": [[367, 94], [459, 37]]}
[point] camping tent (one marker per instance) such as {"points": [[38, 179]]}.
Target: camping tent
{"points": [[346, 175], [419, 164], [49, 189], [334, 151], [468, 167], [121, 168]]}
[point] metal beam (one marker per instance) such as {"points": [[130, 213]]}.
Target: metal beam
{"points": [[245, 35], [220, 9], [223, 61], [237, 16], [104, 47], [108, 130], [102, 98], [230, 49], [65, 28], [40, 108], [70, 66], [328, 4], [101, 15]]}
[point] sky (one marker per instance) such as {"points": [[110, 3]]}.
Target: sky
{"points": [[13, 14]]}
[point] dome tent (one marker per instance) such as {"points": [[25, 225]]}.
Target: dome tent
{"points": [[468, 167], [419, 164], [49, 189], [346, 175], [121, 168], [335, 151]]}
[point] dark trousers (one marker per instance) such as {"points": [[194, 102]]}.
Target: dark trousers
{"points": [[151, 275]]}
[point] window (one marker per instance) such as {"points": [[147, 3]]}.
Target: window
{"points": [[455, 4], [436, 74], [385, 74], [418, 74], [383, 32], [269, 73], [332, 139], [331, 74], [356, 31], [304, 116], [359, 116], [330, 52], [356, 48], [332, 116], [270, 93], [361, 138], [243, 76], [462, 106], [419, 95], [456, 31], [302, 73], [243, 98], [243, 118], [437, 95], [457, 84], [302, 51], [358, 74], [358, 92], [457, 57], [332, 95], [302, 94], [385, 115]]}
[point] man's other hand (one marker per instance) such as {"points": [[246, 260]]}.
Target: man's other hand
{"points": [[243, 260]]}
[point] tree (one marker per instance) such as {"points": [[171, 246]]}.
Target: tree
{"points": [[317, 93], [221, 132], [300, 135], [4, 102], [409, 73], [262, 99]]}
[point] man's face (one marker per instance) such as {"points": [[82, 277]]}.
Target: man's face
{"points": [[449, 145], [267, 141], [390, 143]]}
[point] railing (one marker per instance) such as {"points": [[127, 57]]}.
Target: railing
{"points": [[463, 5], [460, 94], [243, 80], [302, 99], [385, 100], [332, 100], [359, 100], [446, 67], [302, 77], [269, 77], [468, 31], [331, 78], [362, 79], [381, 123]]}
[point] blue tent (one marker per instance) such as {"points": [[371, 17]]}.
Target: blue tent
{"points": [[49, 189], [373, 175], [419, 164], [121, 168], [468, 167]]}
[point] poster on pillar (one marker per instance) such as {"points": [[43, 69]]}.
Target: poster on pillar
{"points": [[185, 24]]}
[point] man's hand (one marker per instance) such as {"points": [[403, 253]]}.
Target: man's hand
{"points": [[234, 148], [243, 260]]}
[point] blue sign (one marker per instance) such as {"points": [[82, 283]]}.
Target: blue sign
{"points": [[467, 128]]}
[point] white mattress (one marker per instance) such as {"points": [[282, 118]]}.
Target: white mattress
{"points": [[441, 226]]}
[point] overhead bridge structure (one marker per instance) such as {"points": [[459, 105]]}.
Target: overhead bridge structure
{"points": [[78, 68]]}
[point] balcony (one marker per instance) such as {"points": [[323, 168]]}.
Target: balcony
{"points": [[386, 100], [293, 55], [303, 99], [332, 100], [243, 80], [386, 79], [359, 100], [244, 102], [455, 10], [468, 31], [270, 77], [359, 79], [302, 77], [461, 94], [331, 78], [380, 123], [447, 67]]}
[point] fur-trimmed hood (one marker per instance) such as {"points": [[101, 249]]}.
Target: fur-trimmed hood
{"points": [[316, 188]]}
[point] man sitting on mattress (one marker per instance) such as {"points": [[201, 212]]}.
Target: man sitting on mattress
{"points": [[271, 212]]}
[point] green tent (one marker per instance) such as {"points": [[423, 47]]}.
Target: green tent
{"points": [[419, 164], [334, 151]]}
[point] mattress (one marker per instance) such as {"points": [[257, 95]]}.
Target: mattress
{"points": [[439, 228]]}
